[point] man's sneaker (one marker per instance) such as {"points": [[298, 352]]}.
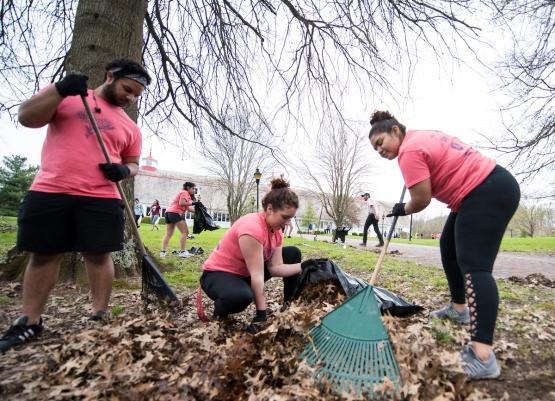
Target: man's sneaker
{"points": [[19, 333], [449, 312], [379, 245], [162, 254], [101, 315], [184, 254], [476, 369], [362, 244]]}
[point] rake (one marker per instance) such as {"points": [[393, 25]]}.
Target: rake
{"points": [[152, 279], [351, 349]]}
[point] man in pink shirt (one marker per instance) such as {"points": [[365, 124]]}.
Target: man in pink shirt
{"points": [[73, 204], [482, 197]]}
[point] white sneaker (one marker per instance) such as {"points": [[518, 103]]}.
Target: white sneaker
{"points": [[162, 254], [184, 254]]}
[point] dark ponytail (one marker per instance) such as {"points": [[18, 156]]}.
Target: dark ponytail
{"points": [[280, 195], [188, 185], [383, 121]]}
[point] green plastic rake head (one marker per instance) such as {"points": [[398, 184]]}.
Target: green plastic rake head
{"points": [[351, 350]]}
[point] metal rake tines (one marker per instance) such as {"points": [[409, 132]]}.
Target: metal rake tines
{"points": [[350, 365]]}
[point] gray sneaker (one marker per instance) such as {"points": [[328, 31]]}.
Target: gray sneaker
{"points": [[449, 312], [475, 368]]}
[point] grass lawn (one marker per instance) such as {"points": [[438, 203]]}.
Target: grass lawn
{"points": [[524, 332], [536, 244]]}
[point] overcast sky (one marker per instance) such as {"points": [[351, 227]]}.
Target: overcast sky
{"points": [[458, 99]]}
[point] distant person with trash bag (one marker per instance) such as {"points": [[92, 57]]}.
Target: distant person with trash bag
{"points": [[73, 204], [371, 220], [483, 197], [154, 214], [175, 217], [249, 254]]}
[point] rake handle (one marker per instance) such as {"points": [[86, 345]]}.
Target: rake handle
{"points": [[130, 213], [386, 244]]}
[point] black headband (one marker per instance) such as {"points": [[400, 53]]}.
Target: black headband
{"points": [[137, 77]]}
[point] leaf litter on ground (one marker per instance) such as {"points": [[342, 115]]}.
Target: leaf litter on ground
{"points": [[160, 353]]}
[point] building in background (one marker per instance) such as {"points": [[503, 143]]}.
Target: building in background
{"points": [[152, 183]]}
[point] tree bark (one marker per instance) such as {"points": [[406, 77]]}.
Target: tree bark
{"points": [[105, 30]]}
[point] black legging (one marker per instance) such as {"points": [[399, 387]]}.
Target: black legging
{"points": [[469, 244], [232, 293], [371, 220]]}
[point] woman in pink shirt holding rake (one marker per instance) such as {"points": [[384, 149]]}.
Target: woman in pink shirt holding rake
{"points": [[483, 197]]}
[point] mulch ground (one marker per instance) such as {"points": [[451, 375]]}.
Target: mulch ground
{"points": [[159, 353]]}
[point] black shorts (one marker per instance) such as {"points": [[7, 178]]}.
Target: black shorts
{"points": [[172, 217], [56, 223]]}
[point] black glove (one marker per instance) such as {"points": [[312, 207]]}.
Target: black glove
{"points": [[398, 210], [115, 171], [72, 84], [306, 263], [258, 322]]}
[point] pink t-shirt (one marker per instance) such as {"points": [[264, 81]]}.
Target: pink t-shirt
{"points": [[227, 255], [453, 167], [175, 207], [71, 152]]}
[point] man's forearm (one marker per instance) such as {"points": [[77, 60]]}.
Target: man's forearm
{"points": [[133, 168]]}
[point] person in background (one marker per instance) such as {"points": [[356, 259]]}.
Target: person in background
{"points": [[288, 229], [250, 253], [139, 212], [76, 188], [371, 220], [154, 214], [175, 217], [483, 197]]}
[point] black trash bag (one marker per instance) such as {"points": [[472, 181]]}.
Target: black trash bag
{"points": [[316, 270], [202, 221]]}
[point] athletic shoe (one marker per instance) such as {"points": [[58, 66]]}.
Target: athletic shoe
{"points": [[162, 254], [475, 368], [379, 245], [101, 315], [19, 333], [362, 244], [184, 254], [450, 313]]}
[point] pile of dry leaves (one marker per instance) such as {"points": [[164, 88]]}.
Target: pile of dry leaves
{"points": [[157, 353]]}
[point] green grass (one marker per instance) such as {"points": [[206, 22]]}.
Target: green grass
{"points": [[536, 244], [117, 310]]}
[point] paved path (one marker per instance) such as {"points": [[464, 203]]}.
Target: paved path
{"points": [[507, 263]]}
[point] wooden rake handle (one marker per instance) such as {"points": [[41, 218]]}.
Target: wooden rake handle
{"points": [[130, 213], [386, 244]]}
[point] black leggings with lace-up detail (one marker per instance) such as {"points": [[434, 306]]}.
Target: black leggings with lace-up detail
{"points": [[469, 244]]}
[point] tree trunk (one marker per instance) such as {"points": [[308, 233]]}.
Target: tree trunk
{"points": [[103, 31]]}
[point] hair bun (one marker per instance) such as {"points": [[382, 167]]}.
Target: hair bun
{"points": [[278, 183], [381, 116]]}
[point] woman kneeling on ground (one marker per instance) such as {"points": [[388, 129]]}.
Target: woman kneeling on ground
{"points": [[175, 217], [483, 197], [249, 254]]}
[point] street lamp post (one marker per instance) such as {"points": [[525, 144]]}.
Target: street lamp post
{"points": [[257, 176]]}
